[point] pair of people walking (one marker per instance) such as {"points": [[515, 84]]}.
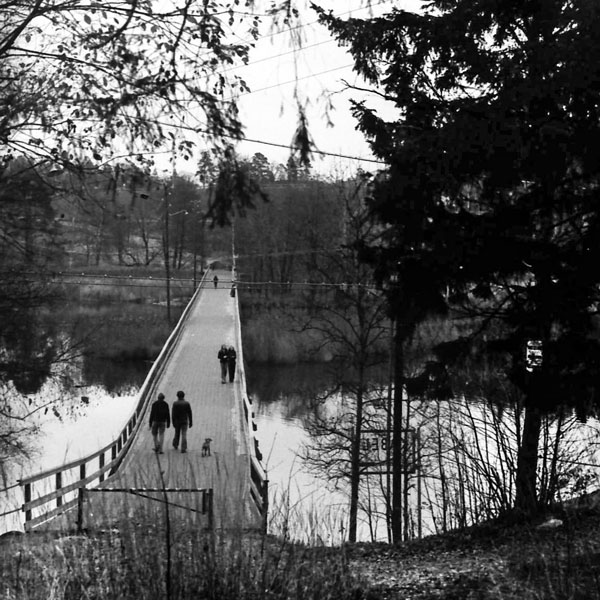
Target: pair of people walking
{"points": [[227, 358], [161, 418]]}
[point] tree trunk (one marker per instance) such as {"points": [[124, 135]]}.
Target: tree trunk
{"points": [[406, 467], [397, 437], [355, 465], [525, 491]]}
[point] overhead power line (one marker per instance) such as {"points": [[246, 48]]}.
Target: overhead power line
{"points": [[314, 150], [151, 281], [280, 55], [84, 275], [295, 28], [255, 141], [316, 22], [317, 151], [295, 80]]}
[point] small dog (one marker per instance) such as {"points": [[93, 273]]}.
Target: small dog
{"points": [[206, 447]]}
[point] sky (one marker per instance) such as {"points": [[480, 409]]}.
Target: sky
{"points": [[316, 72]]}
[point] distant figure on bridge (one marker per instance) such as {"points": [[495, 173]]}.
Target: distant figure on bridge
{"points": [[216, 281], [231, 358], [160, 420], [181, 415], [222, 355]]}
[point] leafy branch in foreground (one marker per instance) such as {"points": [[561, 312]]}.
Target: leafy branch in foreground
{"points": [[89, 80]]}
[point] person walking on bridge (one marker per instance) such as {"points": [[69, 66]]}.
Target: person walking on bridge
{"points": [[181, 416], [231, 359], [223, 355], [160, 419]]}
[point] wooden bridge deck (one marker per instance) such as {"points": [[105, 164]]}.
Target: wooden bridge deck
{"points": [[218, 413]]}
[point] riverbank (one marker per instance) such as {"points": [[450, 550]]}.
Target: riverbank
{"points": [[553, 559]]}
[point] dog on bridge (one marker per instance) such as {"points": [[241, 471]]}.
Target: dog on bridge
{"points": [[206, 447]]}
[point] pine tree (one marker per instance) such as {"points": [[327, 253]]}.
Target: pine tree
{"points": [[492, 185]]}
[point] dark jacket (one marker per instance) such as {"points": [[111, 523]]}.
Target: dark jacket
{"points": [[181, 413], [159, 413], [231, 355], [223, 354]]}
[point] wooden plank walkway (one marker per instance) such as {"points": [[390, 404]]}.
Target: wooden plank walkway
{"points": [[218, 413]]}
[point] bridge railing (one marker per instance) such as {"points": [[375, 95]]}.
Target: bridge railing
{"points": [[54, 492], [259, 483]]}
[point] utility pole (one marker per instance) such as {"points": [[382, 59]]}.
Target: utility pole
{"points": [[166, 250]]}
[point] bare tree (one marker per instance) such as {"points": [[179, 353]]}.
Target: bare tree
{"points": [[353, 324]]}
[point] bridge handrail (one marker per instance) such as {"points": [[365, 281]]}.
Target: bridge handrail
{"points": [[259, 484], [118, 447]]}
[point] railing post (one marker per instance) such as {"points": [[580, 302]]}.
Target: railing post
{"points": [[211, 521], [27, 498], [101, 466], [80, 501], [59, 499], [211, 524], [265, 505]]}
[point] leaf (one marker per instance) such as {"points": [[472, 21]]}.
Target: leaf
{"points": [[87, 19]]}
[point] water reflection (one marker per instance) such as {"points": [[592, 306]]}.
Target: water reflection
{"points": [[302, 506], [29, 350], [116, 377], [59, 437], [289, 386]]}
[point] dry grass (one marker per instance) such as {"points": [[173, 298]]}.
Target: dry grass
{"points": [[500, 560], [130, 561]]}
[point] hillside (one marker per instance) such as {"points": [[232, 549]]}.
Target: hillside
{"points": [[553, 558]]}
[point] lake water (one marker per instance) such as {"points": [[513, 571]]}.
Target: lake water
{"points": [[303, 506]]}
